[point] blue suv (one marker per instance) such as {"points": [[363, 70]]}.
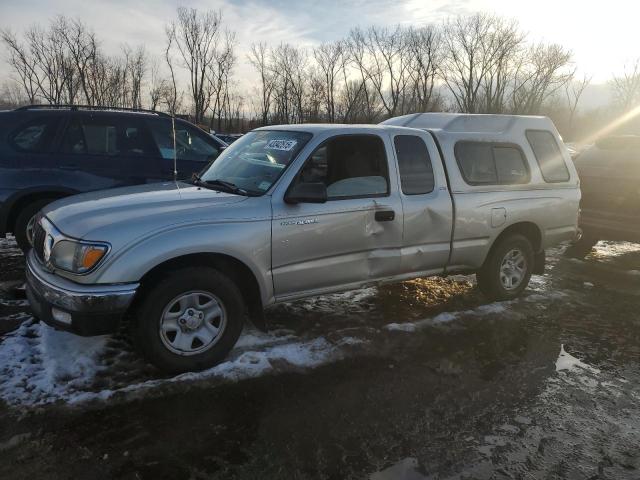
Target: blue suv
{"points": [[47, 153]]}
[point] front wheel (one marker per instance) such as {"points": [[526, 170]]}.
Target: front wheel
{"points": [[507, 269], [190, 320]]}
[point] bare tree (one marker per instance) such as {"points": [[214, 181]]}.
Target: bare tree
{"points": [[330, 59], [289, 68], [424, 47], [573, 91], [546, 71], [218, 77], [157, 85], [82, 46], [170, 94], [507, 45], [379, 53], [626, 87], [23, 64], [137, 68], [195, 37], [259, 58], [469, 58]]}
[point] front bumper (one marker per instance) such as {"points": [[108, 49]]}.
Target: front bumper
{"points": [[83, 309]]}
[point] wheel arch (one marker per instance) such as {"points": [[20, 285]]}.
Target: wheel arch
{"points": [[24, 197], [529, 230], [237, 270]]}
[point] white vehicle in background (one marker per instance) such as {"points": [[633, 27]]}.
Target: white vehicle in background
{"points": [[292, 211]]}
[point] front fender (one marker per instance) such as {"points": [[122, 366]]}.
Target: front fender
{"points": [[247, 241]]}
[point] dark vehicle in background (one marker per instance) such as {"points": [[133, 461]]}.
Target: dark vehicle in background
{"points": [[47, 153], [609, 174], [228, 138]]}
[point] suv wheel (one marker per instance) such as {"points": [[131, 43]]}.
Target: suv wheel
{"points": [[507, 269], [582, 247], [24, 222], [190, 320]]}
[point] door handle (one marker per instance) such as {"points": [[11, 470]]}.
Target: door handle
{"points": [[385, 215]]}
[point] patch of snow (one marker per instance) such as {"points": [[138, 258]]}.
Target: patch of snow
{"points": [[406, 468], [401, 327], [446, 317], [566, 361], [40, 365], [614, 249], [38, 362]]}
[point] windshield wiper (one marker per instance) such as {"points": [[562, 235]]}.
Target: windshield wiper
{"points": [[218, 184]]}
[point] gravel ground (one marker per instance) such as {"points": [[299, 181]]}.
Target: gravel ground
{"points": [[419, 380]]}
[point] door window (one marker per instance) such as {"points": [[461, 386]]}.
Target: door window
{"points": [[108, 136], [190, 144], [416, 171], [350, 166]]}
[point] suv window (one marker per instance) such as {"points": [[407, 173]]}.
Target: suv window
{"points": [[486, 163], [190, 144], [416, 171], [108, 136], [350, 166], [547, 153], [36, 135]]}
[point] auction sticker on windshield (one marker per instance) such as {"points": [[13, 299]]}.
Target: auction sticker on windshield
{"points": [[281, 144]]}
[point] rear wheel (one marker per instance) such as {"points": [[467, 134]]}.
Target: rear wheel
{"points": [[582, 247], [507, 269], [190, 320], [24, 222]]}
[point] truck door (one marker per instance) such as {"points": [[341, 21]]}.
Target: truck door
{"points": [[356, 235], [426, 201]]}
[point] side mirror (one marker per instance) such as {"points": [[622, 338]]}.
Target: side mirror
{"points": [[307, 193]]}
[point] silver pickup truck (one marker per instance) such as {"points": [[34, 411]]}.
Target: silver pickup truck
{"points": [[293, 211]]}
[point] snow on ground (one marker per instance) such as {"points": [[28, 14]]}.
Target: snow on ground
{"points": [[568, 362], [446, 317], [41, 365]]}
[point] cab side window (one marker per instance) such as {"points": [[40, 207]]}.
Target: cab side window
{"points": [[416, 171], [190, 144], [547, 153], [35, 136], [487, 163], [350, 166]]}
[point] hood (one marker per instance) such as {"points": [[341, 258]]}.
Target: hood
{"points": [[100, 215]]}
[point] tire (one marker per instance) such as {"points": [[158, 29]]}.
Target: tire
{"points": [[22, 221], [180, 298], [581, 248], [510, 262]]}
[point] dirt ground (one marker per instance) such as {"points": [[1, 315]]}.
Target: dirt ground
{"points": [[419, 380]]}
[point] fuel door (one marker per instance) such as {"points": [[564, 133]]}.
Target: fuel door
{"points": [[498, 217]]}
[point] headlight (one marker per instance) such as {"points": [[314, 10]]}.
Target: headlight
{"points": [[77, 257]]}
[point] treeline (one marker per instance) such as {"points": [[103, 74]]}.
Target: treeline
{"points": [[478, 64]]}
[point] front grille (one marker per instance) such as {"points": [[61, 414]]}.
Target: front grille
{"points": [[39, 236]]}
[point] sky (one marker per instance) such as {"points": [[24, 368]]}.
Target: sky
{"points": [[603, 35]]}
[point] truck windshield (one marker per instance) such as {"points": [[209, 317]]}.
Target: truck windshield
{"points": [[255, 161]]}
